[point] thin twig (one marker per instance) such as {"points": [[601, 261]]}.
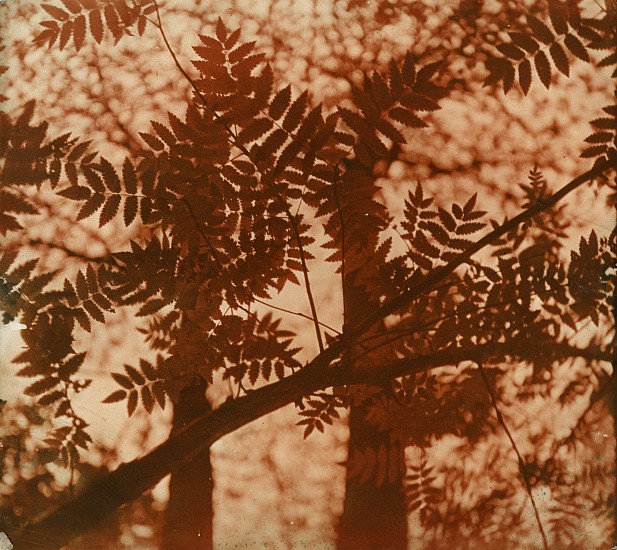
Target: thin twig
{"points": [[307, 282], [297, 313], [186, 75], [107, 259], [340, 213], [521, 463], [203, 235]]}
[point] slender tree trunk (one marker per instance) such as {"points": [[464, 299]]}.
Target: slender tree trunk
{"points": [[189, 511], [612, 405], [373, 517]]}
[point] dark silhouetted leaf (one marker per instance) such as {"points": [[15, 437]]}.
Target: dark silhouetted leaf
{"points": [[557, 18], [152, 141], [123, 380], [406, 117], [255, 130], [110, 177], [135, 375], [280, 103], [576, 47], [91, 206], [96, 25], [540, 30], [511, 51], [543, 68], [130, 210], [115, 397], [221, 30], [113, 20], [129, 177], [94, 311], [524, 41], [41, 386], [241, 52], [147, 399], [79, 31], [560, 59], [395, 79], [409, 70], [75, 193], [131, 403], [56, 12], [110, 208], [294, 115]]}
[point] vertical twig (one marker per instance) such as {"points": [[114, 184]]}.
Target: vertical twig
{"points": [[340, 213], [307, 282], [521, 463], [174, 57]]}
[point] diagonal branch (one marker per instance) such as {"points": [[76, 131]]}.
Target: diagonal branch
{"points": [[128, 481], [439, 274], [521, 462], [307, 281]]}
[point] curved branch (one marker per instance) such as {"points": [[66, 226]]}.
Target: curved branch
{"points": [[129, 480]]}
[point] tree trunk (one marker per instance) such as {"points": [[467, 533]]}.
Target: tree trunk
{"points": [[373, 517], [189, 511], [612, 405]]}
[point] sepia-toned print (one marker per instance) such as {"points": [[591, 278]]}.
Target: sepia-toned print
{"points": [[291, 274]]}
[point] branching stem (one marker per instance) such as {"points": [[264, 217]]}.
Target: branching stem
{"points": [[439, 274]]}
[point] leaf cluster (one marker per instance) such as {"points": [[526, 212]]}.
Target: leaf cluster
{"points": [[536, 43]]}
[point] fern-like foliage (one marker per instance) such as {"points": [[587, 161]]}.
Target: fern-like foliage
{"points": [[533, 47], [228, 199], [603, 141], [77, 19], [420, 491]]}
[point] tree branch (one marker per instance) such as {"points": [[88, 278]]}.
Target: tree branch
{"points": [[128, 481], [439, 274]]}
